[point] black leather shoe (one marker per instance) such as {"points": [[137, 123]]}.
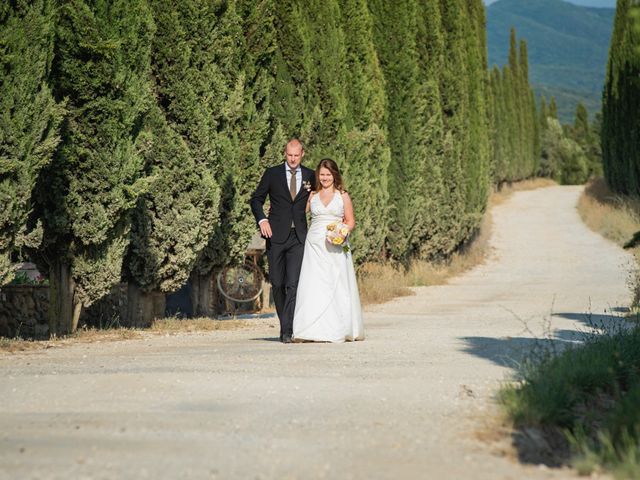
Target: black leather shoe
{"points": [[286, 338]]}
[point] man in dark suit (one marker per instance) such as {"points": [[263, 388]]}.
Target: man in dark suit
{"points": [[285, 229]]}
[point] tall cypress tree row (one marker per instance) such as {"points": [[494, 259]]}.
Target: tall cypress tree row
{"points": [[621, 103], [477, 166], [102, 65], [29, 120], [430, 236], [516, 127], [366, 150], [395, 30], [211, 92], [454, 88]]}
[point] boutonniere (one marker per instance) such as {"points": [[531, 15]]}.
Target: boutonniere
{"points": [[306, 184]]}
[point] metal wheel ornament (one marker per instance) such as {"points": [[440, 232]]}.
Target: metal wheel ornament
{"points": [[241, 283]]}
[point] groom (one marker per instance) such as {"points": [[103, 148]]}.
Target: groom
{"points": [[285, 229]]}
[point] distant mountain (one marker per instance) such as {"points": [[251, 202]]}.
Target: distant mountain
{"points": [[568, 47]]}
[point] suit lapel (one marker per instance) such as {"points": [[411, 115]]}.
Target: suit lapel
{"points": [[300, 192]]}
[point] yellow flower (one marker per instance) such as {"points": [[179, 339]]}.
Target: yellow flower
{"points": [[331, 227]]}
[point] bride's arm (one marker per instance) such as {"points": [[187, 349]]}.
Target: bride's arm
{"points": [[349, 218], [309, 203]]}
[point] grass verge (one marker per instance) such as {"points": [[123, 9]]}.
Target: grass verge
{"points": [[616, 218], [379, 283], [583, 404], [164, 326]]}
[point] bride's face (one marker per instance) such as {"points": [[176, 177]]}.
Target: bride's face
{"points": [[326, 178]]}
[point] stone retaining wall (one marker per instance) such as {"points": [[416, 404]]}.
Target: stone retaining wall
{"points": [[24, 310]]}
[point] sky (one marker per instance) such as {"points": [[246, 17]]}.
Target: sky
{"points": [[587, 3]]}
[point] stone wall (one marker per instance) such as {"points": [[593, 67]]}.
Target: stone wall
{"points": [[24, 310]]}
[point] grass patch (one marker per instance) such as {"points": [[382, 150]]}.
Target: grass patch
{"points": [[616, 218], [507, 189], [590, 397], [613, 216], [162, 326], [202, 324], [379, 283]]}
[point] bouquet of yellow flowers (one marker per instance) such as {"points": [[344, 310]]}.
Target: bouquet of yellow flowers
{"points": [[337, 233]]}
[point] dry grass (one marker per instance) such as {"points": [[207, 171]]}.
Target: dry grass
{"points": [[202, 324], [159, 327], [613, 216], [379, 283], [13, 345], [617, 218], [507, 189]]}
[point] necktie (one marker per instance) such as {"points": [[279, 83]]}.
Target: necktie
{"points": [[293, 186]]}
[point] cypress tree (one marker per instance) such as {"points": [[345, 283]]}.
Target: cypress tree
{"points": [[454, 100], [172, 222], [395, 40], [477, 169], [29, 120], [214, 92], [366, 146], [553, 108], [621, 103], [544, 114], [430, 237], [102, 65], [581, 129], [587, 137]]}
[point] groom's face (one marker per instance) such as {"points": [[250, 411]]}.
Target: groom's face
{"points": [[293, 154]]}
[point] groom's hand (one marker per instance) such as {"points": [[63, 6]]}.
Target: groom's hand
{"points": [[265, 229]]}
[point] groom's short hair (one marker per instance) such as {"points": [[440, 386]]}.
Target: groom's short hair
{"points": [[294, 140]]}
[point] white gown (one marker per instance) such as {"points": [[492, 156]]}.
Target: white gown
{"points": [[327, 301]]}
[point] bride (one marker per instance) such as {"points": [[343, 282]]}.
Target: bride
{"points": [[328, 303]]}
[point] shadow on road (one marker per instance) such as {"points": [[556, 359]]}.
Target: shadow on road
{"points": [[537, 445], [512, 351]]}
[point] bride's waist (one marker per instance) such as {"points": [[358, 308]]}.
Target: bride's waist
{"points": [[323, 223]]}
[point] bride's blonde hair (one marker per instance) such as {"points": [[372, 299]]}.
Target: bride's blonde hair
{"points": [[332, 166]]}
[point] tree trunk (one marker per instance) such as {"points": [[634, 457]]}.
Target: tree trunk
{"points": [[202, 299], [62, 312], [143, 307]]}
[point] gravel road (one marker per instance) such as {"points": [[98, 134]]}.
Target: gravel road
{"points": [[414, 400]]}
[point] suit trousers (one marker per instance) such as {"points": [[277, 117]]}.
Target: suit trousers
{"points": [[285, 261]]}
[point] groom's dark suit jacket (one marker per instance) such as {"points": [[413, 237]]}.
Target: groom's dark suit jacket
{"points": [[283, 209]]}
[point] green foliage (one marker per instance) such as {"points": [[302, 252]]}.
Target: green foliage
{"points": [[367, 153], [176, 215], [29, 120], [620, 119], [516, 128], [592, 392], [395, 37], [102, 66]]}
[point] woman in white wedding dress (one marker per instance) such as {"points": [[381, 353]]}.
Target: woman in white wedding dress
{"points": [[328, 302]]}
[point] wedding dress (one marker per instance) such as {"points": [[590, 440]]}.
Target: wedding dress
{"points": [[327, 303]]}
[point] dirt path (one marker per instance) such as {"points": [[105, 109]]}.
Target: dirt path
{"points": [[406, 403]]}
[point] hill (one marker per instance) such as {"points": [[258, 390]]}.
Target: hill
{"points": [[568, 47]]}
